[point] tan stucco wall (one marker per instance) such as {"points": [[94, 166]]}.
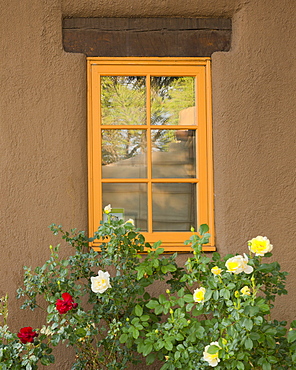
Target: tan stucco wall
{"points": [[43, 130]]}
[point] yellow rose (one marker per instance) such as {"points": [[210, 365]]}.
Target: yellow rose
{"points": [[245, 290], [199, 295], [260, 245], [216, 270], [238, 264], [212, 359]]}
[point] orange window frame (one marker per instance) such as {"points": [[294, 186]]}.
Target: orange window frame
{"points": [[200, 68]]}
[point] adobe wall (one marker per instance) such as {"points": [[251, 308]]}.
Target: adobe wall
{"points": [[43, 130]]}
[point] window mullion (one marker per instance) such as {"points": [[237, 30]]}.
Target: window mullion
{"points": [[98, 144], [149, 151]]}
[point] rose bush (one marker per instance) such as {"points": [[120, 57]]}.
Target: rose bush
{"points": [[213, 312], [22, 351], [91, 296], [226, 321]]}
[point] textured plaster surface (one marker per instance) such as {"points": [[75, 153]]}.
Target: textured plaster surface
{"points": [[43, 131]]}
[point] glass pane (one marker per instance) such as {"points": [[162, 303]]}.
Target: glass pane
{"points": [[124, 154], [131, 198], [123, 100], [173, 153], [174, 206], [173, 101]]}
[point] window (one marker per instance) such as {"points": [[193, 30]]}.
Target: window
{"points": [[149, 145]]}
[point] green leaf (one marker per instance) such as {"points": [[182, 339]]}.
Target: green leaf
{"points": [[268, 267], [47, 360], [147, 349], [188, 298], [168, 345], [266, 365], [291, 336], [177, 355], [216, 295], [248, 343], [152, 304], [150, 358], [158, 309], [204, 228], [138, 310], [271, 342], [180, 292], [208, 294], [248, 324], [179, 337], [213, 349], [135, 332], [264, 307], [251, 310], [224, 293], [180, 302], [80, 332], [51, 308], [162, 298], [123, 338], [240, 365], [254, 335]]}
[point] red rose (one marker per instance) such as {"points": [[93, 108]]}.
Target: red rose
{"points": [[66, 304], [27, 335]]}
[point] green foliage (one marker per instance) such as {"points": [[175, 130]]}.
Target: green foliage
{"points": [[240, 323], [204, 314], [104, 326], [16, 355]]}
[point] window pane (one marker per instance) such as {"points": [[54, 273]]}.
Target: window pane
{"points": [[173, 153], [173, 101], [124, 154], [123, 100], [174, 206], [132, 198]]}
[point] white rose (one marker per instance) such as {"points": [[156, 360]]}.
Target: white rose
{"points": [[238, 264], [108, 209], [101, 282]]}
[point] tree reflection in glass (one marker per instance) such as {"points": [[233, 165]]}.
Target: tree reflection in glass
{"points": [[173, 154], [123, 100], [170, 96], [173, 149], [124, 154]]}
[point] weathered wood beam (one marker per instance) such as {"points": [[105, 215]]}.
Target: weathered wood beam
{"points": [[119, 37]]}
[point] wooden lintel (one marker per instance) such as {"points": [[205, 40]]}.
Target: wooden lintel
{"points": [[147, 37]]}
